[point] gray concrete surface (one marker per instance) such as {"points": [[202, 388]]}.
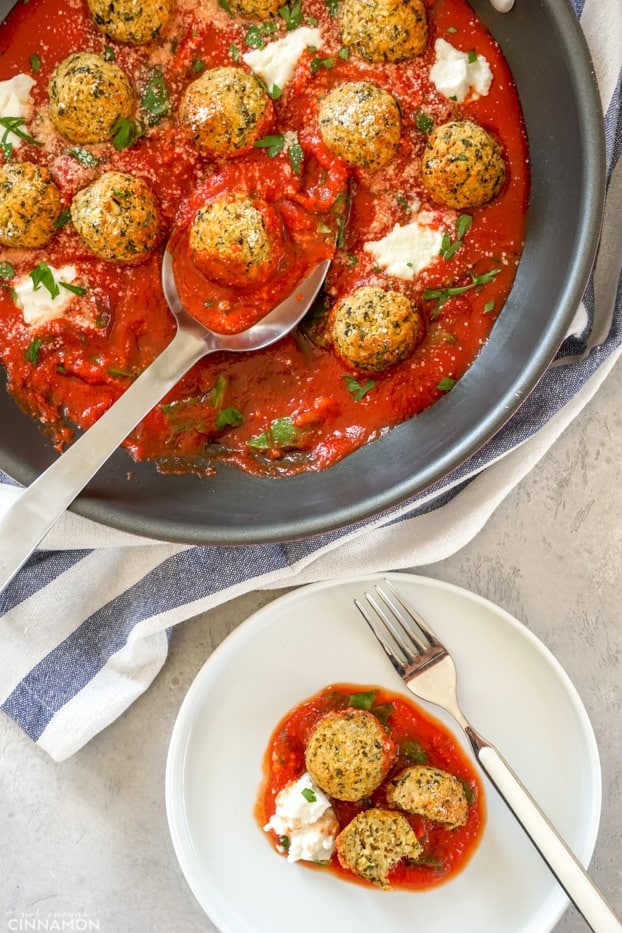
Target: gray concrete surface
{"points": [[88, 838]]}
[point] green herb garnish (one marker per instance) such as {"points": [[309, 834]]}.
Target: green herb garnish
{"points": [[291, 15], [42, 275], [84, 157], [446, 384], [308, 794], [31, 353], [35, 63], [272, 144], [126, 132], [441, 295], [362, 700], [411, 749], [63, 218], [6, 270], [229, 418], [357, 389], [74, 289], [155, 99], [423, 122]]}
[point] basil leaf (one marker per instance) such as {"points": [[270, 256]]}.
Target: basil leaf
{"points": [[31, 353], [42, 275], [6, 270], [229, 417], [84, 157], [308, 794], [412, 750], [296, 157], [272, 144], [74, 289], [446, 384], [125, 133], [155, 98], [356, 389], [363, 700]]}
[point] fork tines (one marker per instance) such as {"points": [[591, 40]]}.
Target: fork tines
{"points": [[400, 630]]}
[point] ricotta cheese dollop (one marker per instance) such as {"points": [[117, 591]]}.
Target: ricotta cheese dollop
{"points": [[275, 63], [406, 250], [457, 74], [37, 304], [305, 821], [15, 101]]}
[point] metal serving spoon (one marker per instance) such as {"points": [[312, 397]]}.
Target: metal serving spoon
{"points": [[45, 500]]}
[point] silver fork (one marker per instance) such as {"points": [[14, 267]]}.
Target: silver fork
{"points": [[428, 670]]}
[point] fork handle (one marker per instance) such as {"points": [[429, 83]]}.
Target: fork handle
{"points": [[567, 869]]}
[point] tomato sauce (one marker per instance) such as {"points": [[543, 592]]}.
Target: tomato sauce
{"points": [[294, 406], [421, 739]]}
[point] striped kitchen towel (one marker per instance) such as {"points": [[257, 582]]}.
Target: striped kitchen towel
{"points": [[84, 627]]}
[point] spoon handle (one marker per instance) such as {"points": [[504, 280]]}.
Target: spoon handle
{"points": [[31, 516]]}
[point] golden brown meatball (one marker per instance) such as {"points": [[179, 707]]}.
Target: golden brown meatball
{"points": [[384, 30], [349, 754], [374, 842], [430, 792], [234, 241], [255, 9], [29, 205], [117, 218], [88, 97], [360, 122], [373, 329], [463, 165], [225, 111], [131, 21]]}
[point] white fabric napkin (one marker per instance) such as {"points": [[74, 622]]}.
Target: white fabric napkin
{"points": [[84, 627]]}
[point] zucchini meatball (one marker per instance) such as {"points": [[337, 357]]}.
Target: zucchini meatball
{"points": [[29, 205], [373, 329], [463, 165], [255, 9], [360, 122], [225, 111], [349, 754], [429, 792], [88, 97], [384, 30], [130, 21], [116, 217], [374, 842], [234, 239]]}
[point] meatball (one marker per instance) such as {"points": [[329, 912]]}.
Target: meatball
{"points": [[129, 21], [384, 30], [116, 217], [430, 792], [361, 123], [463, 165], [88, 97], [349, 754], [234, 240], [374, 842], [29, 205], [373, 329], [255, 9], [225, 111]]}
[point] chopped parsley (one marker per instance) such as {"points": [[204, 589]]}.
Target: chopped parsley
{"points": [[317, 62]]}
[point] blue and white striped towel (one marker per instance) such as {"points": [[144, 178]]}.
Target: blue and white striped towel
{"points": [[85, 630]]}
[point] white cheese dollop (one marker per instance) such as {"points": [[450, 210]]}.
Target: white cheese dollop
{"points": [[38, 306], [406, 250], [308, 822], [275, 63], [455, 76], [15, 101]]}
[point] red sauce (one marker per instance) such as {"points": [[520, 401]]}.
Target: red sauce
{"points": [[446, 851], [295, 403]]}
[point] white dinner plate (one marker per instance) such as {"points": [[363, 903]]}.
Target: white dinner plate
{"points": [[511, 687]]}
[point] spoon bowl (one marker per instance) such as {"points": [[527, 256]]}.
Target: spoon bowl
{"points": [[44, 501]]}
